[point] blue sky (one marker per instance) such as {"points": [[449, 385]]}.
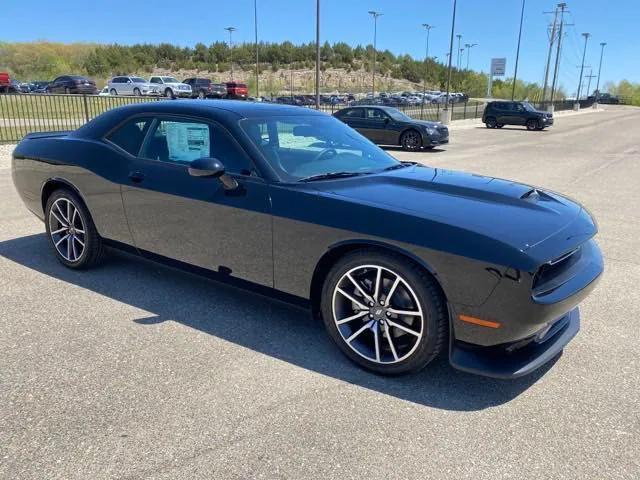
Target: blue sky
{"points": [[493, 24]]}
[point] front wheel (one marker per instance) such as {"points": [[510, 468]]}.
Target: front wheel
{"points": [[532, 125], [168, 93], [384, 312], [411, 140], [136, 92], [202, 95], [70, 230]]}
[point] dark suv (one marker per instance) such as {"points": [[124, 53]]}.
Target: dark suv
{"points": [[203, 88], [499, 114]]}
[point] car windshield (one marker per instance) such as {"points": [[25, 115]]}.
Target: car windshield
{"points": [[397, 115], [138, 80], [528, 107], [299, 147], [169, 80]]}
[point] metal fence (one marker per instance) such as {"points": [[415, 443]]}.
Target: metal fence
{"points": [[24, 113]]}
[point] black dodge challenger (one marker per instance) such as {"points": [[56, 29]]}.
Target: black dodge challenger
{"points": [[401, 261]]}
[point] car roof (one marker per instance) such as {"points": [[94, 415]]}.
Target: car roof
{"points": [[220, 110]]}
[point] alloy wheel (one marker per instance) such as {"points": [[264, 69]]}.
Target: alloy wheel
{"points": [[377, 314], [67, 229], [411, 140]]}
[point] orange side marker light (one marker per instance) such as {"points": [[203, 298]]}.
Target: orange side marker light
{"points": [[479, 321]]}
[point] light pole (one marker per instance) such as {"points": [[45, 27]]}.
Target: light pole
{"points": [[459, 36], [375, 16], [584, 53], [446, 117], [317, 54], [231, 30], [469, 46], [515, 73], [426, 66], [602, 45], [255, 23]]}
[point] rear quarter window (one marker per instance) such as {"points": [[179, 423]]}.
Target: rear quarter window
{"points": [[130, 135]]}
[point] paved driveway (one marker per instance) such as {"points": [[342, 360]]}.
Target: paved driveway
{"points": [[137, 371]]}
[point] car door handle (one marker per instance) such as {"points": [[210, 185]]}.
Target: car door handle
{"points": [[136, 177]]}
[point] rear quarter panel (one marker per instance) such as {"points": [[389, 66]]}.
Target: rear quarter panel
{"points": [[92, 168]]}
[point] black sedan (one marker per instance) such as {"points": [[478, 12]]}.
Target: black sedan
{"points": [[69, 84], [389, 126], [401, 261]]}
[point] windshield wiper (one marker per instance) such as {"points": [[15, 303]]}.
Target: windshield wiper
{"points": [[325, 176]]}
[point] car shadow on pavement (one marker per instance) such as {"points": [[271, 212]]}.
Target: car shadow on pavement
{"points": [[271, 327]]}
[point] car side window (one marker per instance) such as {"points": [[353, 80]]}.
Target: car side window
{"points": [[130, 135], [354, 113], [519, 107], [375, 114], [182, 141], [155, 80]]}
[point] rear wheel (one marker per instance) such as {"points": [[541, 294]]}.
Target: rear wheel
{"points": [[201, 94], [113, 92], [67, 91], [70, 230], [136, 92], [168, 93], [384, 312], [532, 124], [411, 140], [491, 122]]}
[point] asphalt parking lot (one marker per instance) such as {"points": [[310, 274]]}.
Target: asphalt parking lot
{"points": [[134, 370]]}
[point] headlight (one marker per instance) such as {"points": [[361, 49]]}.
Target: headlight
{"points": [[432, 131]]}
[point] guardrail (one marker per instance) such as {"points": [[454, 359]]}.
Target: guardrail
{"points": [[21, 114]]}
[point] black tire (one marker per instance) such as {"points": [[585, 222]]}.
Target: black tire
{"points": [[411, 140], [113, 91], [499, 125], [491, 122], [427, 292], [67, 91], [168, 93], [136, 92], [202, 95], [93, 249], [532, 124]]}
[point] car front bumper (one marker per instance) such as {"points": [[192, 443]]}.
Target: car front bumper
{"points": [[518, 358], [547, 121]]}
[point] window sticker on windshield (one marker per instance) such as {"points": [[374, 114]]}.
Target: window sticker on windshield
{"points": [[187, 141]]}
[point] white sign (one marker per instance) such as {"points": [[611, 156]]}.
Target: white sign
{"points": [[498, 66], [187, 141]]}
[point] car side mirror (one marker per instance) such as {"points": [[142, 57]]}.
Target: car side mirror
{"points": [[212, 167], [206, 167]]}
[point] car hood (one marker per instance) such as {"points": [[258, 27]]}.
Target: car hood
{"points": [[513, 213]]}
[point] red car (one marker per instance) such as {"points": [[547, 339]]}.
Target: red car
{"points": [[5, 82], [237, 90]]}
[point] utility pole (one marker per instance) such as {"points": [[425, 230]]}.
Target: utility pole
{"points": [[584, 53], [469, 46], [458, 58], [426, 67], [375, 16], [546, 70], [231, 30], [255, 23], [602, 45], [317, 54], [515, 73], [590, 76], [562, 7], [446, 114]]}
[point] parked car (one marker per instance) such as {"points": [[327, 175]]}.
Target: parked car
{"points": [[135, 86], [237, 90], [5, 82], [71, 84], [389, 126], [40, 86], [606, 98], [170, 87], [499, 114], [401, 261], [205, 88], [104, 92]]}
